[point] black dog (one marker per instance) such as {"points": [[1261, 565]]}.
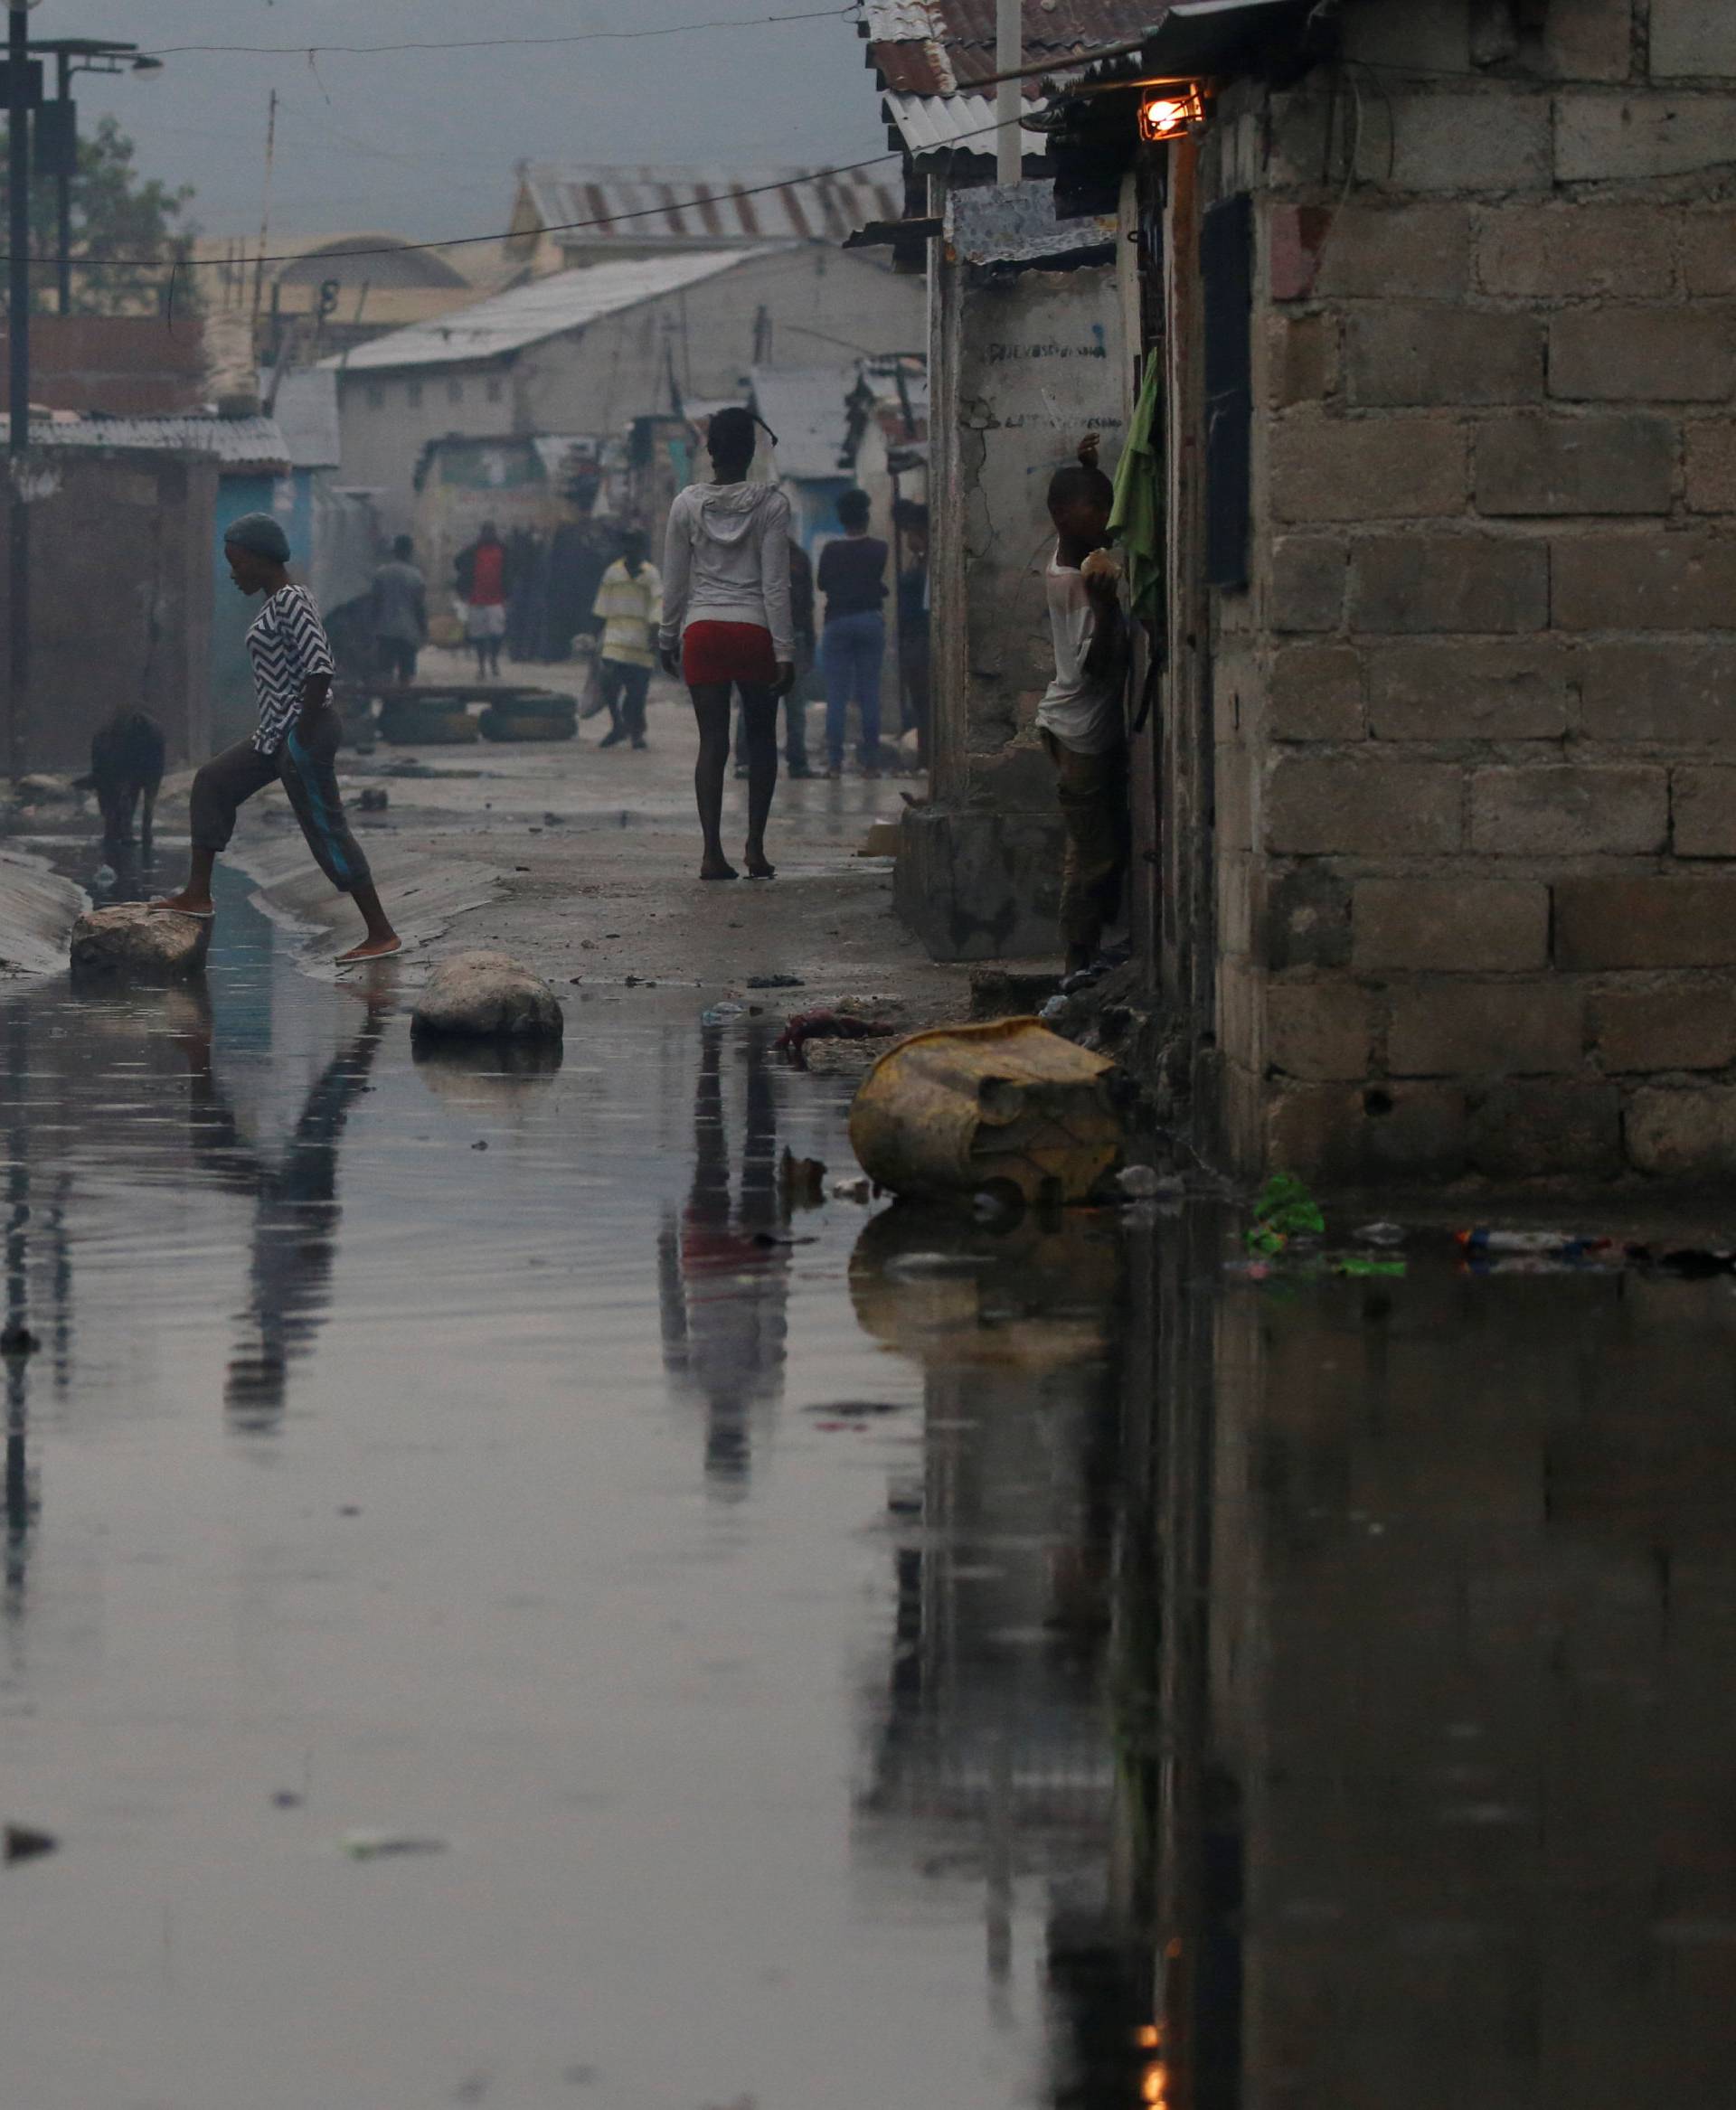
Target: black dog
{"points": [[126, 767]]}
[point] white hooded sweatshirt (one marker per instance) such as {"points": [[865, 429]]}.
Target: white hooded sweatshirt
{"points": [[726, 560]]}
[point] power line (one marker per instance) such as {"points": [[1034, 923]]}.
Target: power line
{"points": [[457, 241], [585, 36]]}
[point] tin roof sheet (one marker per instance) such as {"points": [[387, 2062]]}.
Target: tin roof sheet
{"points": [[1016, 224], [707, 207], [941, 124], [233, 442], [545, 307], [807, 407], [306, 407], [927, 56]]}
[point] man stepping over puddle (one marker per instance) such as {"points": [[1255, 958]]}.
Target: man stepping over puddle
{"points": [[296, 743]]}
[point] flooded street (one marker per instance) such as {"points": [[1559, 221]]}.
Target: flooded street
{"points": [[502, 1605], [462, 1457]]}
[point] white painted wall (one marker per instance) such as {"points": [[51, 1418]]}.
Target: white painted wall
{"points": [[385, 420], [822, 302]]}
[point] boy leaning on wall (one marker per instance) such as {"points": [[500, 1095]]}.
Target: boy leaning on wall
{"points": [[1082, 719]]}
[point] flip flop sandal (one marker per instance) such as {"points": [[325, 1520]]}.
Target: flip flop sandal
{"points": [[367, 959], [198, 915]]}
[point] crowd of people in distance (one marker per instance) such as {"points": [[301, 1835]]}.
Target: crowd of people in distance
{"points": [[730, 613]]}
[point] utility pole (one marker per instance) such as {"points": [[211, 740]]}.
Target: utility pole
{"points": [[56, 142], [1009, 101], [18, 392], [265, 211], [63, 190]]}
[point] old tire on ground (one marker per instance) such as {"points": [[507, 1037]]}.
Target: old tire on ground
{"points": [[486, 996], [133, 943], [409, 723], [526, 725]]}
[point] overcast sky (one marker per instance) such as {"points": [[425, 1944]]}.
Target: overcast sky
{"points": [[424, 142]]}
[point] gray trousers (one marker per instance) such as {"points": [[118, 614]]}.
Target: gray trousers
{"points": [[307, 771]]}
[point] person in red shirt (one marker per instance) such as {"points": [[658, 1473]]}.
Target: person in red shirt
{"points": [[481, 579]]}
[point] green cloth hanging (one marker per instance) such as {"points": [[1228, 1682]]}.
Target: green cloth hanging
{"points": [[1137, 521]]}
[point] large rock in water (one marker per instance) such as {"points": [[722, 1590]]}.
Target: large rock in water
{"points": [[132, 942], [486, 996]]}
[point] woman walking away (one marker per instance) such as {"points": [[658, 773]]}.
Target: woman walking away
{"points": [[296, 744], [629, 606], [853, 578], [726, 614], [1082, 719]]}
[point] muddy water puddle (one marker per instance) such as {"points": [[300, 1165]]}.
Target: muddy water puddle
{"points": [[500, 1605], [462, 1459]]}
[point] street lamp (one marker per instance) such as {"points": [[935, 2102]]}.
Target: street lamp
{"points": [[57, 127]]}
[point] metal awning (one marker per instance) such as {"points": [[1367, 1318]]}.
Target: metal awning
{"points": [[1211, 39]]}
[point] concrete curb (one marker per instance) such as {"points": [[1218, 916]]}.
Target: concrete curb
{"points": [[38, 908]]}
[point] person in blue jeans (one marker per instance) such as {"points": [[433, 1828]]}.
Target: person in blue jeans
{"points": [[853, 578]]}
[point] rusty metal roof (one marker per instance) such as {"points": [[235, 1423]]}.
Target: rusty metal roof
{"points": [[675, 209], [929, 57]]}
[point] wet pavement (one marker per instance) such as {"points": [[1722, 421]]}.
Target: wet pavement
{"points": [[502, 1605]]}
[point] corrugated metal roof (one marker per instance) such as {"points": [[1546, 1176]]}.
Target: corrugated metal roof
{"points": [[896, 21], [545, 307], [807, 408], [236, 442], [937, 124], [1016, 224], [927, 54], [701, 208], [1052, 29]]}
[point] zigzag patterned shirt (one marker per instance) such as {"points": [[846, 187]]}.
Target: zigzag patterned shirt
{"points": [[287, 644]]}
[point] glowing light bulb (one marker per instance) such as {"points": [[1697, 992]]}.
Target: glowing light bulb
{"points": [[1171, 110]]}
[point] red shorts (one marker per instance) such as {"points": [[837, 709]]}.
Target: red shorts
{"points": [[714, 653]]}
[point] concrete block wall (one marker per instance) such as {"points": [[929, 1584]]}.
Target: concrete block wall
{"points": [[145, 517], [1022, 366], [1476, 718]]}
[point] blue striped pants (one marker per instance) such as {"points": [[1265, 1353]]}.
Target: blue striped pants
{"points": [[307, 770]]}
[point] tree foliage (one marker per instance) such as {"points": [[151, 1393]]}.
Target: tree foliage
{"points": [[114, 213]]}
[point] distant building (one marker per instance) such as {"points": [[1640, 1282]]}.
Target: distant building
{"points": [[343, 289], [583, 212], [591, 350]]}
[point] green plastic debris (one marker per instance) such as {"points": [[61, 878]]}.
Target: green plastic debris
{"points": [[1362, 1265], [1283, 1209]]}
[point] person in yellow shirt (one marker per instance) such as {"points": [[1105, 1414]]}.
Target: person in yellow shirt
{"points": [[629, 606]]}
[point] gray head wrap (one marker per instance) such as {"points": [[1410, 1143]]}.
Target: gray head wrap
{"points": [[260, 534]]}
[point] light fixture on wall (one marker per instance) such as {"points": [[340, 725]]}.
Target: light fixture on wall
{"points": [[1170, 109]]}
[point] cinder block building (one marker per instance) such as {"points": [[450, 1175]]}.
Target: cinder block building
{"points": [[1028, 349], [1436, 820]]}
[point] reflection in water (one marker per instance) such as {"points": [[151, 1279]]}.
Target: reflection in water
{"points": [[722, 1271], [1312, 1696], [993, 1734], [20, 1493], [1446, 1579], [296, 1209], [508, 1079]]}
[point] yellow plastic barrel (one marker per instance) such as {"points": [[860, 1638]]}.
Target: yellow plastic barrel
{"points": [[1004, 1104]]}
